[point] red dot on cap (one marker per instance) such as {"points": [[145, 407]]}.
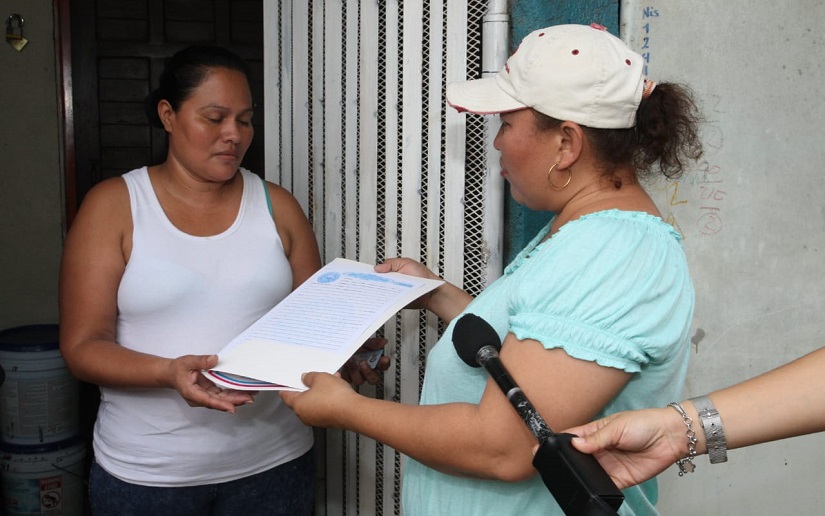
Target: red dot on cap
{"points": [[598, 26], [542, 34], [627, 62], [575, 52]]}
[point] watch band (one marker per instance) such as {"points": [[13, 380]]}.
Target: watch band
{"points": [[712, 425]]}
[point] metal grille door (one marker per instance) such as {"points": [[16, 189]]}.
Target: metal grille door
{"points": [[357, 128]]}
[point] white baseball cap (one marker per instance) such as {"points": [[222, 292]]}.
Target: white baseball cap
{"points": [[579, 73]]}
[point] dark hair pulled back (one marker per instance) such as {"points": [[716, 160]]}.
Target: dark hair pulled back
{"points": [[185, 71], [666, 134]]}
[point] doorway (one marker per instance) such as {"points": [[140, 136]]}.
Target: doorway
{"points": [[111, 56], [118, 51]]}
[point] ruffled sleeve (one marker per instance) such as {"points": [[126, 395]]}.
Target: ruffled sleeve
{"points": [[613, 288]]}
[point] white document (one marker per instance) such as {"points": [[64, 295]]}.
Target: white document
{"points": [[316, 328]]}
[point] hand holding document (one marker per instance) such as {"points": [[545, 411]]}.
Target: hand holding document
{"points": [[316, 328]]}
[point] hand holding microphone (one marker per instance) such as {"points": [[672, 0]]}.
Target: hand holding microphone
{"points": [[575, 479]]}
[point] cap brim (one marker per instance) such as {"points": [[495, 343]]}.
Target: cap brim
{"points": [[481, 96]]}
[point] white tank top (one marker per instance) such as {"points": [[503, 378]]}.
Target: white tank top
{"points": [[182, 294]]}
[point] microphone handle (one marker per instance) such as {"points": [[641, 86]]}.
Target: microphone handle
{"points": [[576, 480], [488, 358]]}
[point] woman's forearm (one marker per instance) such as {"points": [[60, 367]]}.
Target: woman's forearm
{"points": [[633, 446], [447, 301], [460, 439], [785, 402]]}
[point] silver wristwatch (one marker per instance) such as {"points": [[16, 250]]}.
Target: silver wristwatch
{"points": [[712, 425]]}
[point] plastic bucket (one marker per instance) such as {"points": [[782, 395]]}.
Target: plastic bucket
{"points": [[39, 397], [42, 480]]}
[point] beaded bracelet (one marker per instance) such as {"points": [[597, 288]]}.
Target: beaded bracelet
{"points": [[686, 465]]}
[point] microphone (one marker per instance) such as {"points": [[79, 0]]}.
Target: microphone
{"points": [[575, 479], [477, 344]]}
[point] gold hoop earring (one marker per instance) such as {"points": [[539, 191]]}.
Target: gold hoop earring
{"points": [[555, 186]]}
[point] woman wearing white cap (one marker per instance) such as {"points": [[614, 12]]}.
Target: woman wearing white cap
{"points": [[594, 313]]}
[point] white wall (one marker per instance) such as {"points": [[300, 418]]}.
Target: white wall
{"points": [[753, 219], [31, 198]]}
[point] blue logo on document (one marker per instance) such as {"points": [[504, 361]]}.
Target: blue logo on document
{"points": [[329, 277]]}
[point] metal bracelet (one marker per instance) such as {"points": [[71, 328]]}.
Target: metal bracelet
{"points": [[711, 423], [686, 465]]}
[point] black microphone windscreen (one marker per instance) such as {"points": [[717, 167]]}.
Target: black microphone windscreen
{"points": [[470, 334]]}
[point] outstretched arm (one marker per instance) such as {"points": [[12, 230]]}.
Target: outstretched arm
{"points": [[484, 440], [785, 402], [447, 301]]}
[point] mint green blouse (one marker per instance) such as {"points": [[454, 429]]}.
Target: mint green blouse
{"points": [[611, 287]]}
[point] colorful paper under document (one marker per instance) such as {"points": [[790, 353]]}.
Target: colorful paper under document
{"points": [[316, 328]]}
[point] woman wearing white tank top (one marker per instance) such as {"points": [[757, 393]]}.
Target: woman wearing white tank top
{"points": [[161, 268]]}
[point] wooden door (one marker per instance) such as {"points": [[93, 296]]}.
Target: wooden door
{"points": [[119, 48]]}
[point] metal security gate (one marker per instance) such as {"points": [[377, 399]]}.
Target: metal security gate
{"points": [[357, 128]]}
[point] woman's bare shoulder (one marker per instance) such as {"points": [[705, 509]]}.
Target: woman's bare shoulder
{"points": [[106, 204]]}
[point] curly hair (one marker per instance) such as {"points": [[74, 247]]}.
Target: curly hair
{"points": [[664, 139]]}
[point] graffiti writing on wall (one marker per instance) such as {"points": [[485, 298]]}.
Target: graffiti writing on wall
{"points": [[698, 197]]}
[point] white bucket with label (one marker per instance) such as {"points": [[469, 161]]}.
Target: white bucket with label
{"points": [[43, 480], [39, 398]]}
